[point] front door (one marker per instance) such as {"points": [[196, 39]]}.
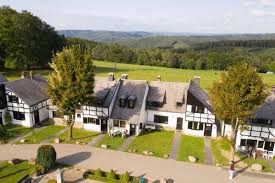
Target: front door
{"points": [[208, 129], [103, 125], [36, 117], [179, 123], [132, 129], [1, 119]]}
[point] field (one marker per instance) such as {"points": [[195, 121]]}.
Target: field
{"points": [[150, 73]]}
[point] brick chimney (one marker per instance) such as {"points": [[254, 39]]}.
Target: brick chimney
{"points": [[111, 76], [22, 74], [196, 80]]}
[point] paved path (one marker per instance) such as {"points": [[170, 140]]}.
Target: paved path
{"points": [[138, 165], [208, 157], [175, 147], [26, 135], [126, 143], [96, 139], [55, 135]]}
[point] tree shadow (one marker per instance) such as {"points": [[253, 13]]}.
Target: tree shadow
{"points": [[241, 159], [241, 171], [74, 159]]}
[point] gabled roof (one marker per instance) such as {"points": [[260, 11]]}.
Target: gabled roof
{"points": [[104, 90], [2, 79], [31, 91], [168, 93], [129, 88], [200, 94]]}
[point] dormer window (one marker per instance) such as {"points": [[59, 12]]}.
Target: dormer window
{"points": [[132, 101], [122, 101], [13, 98]]}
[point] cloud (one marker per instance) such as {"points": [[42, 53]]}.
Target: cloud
{"points": [[268, 2], [258, 13]]}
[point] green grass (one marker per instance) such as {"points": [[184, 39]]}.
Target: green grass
{"points": [[159, 142], [43, 134], [12, 173], [15, 130], [112, 143], [191, 146], [263, 162], [80, 135], [150, 73], [216, 145]]}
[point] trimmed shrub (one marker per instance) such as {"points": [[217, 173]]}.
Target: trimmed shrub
{"points": [[125, 178], [7, 117], [46, 156], [38, 170], [3, 131], [111, 175], [135, 180], [98, 173]]}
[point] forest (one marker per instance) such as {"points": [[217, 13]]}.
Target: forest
{"points": [[27, 42]]}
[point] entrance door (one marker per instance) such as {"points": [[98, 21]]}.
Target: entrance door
{"points": [[1, 119], [103, 125], [269, 146], [179, 123], [36, 117], [208, 129], [132, 129]]}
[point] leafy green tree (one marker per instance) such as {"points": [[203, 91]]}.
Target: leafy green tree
{"points": [[236, 96], [71, 84]]}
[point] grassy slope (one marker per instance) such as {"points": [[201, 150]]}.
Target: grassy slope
{"points": [[112, 143], [12, 173], [150, 73], [15, 130], [159, 142], [216, 145], [191, 146], [44, 134], [78, 135]]}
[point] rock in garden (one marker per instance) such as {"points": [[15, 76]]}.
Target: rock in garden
{"points": [[146, 152], [14, 161], [257, 167], [151, 153], [57, 140], [104, 146], [134, 150], [129, 150], [166, 156], [32, 161], [22, 140], [77, 142], [192, 159]]}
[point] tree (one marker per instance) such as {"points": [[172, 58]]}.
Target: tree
{"points": [[71, 84], [236, 97]]}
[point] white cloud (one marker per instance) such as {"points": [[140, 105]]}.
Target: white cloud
{"points": [[268, 2], [258, 13]]}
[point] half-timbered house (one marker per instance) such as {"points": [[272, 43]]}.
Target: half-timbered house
{"points": [[27, 101]]}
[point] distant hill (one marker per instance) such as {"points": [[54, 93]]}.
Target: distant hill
{"points": [[104, 36]]}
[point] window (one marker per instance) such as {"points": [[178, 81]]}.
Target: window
{"points": [[13, 98], [262, 121], [154, 104], [56, 114], [18, 115], [131, 101], [160, 119], [179, 104], [91, 120], [140, 126], [197, 109], [118, 123], [195, 125], [78, 115], [243, 142], [260, 144], [122, 101]]}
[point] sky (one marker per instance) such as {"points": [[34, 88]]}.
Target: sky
{"points": [[189, 16]]}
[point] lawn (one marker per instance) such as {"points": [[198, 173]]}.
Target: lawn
{"points": [[263, 162], [83, 136], [150, 73], [191, 146], [46, 133], [15, 130], [112, 143], [12, 173], [159, 142], [216, 146]]}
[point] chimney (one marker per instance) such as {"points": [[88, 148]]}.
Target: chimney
{"points": [[196, 80], [111, 76], [22, 74], [158, 78], [124, 76], [31, 74]]}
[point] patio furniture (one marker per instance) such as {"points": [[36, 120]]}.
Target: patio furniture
{"points": [[270, 155], [265, 154]]}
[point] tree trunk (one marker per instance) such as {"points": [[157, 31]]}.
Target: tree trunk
{"points": [[71, 124], [233, 143]]}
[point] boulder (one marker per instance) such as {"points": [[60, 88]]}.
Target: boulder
{"points": [[166, 156], [151, 153], [77, 142], [192, 159], [22, 140], [146, 152], [104, 146], [57, 140], [130, 150], [257, 167], [32, 161], [134, 150], [14, 161]]}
